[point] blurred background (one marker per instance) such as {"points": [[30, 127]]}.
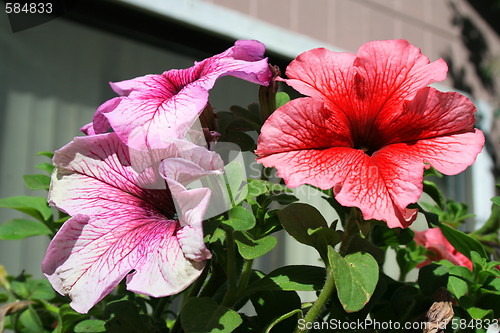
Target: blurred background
{"points": [[54, 74]]}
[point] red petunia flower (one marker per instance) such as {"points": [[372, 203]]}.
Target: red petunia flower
{"points": [[370, 127], [439, 247]]}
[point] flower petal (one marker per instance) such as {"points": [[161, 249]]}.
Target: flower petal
{"points": [[431, 113], [448, 154], [435, 242], [119, 226], [323, 74], [357, 181], [391, 71], [367, 87], [303, 123], [155, 107], [90, 256]]}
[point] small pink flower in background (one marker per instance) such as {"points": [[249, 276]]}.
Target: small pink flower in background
{"points": [[155, 107], [435, 242], [127, 221], [370, 127]]}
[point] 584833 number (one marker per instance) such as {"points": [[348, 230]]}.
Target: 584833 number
{"points": [[28, 8]]}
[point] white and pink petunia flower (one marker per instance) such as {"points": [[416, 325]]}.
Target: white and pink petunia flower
{"points": [[131, 216], [155, 107], [369, 128]]}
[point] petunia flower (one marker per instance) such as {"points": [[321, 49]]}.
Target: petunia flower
{"points": [[369, 128], [154, 107], [439, 247], [126, 219]]}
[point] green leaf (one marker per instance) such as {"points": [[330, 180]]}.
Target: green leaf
{"points": [[302, 222], [281, 99], [240, 219], [20, 288], [40, 289], [462, 242], [3, 297], [34, 206], [37, 182], [253, 248], [432, 172], [67, 318], [298, 218], [275, 307], [48, 154], [457, 286], [356, 276], [294, 277], [280, 319], [284, 198], [242, 113], [47, 167], [324, 237], [126, 317], [478, 313], [384, 236], [203, 315], [256, 187], [27, 289], [431, 218], [496, 200], [236, 184], [461, 272], [90, 326], [431, 278], [243, 140], [31, 321], [239, 125], [433, 191], [21, 228]]}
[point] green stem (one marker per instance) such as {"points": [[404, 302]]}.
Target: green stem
{"points": [[402, 275], [323, 297], [491, 225], [231, 269], [195, 288], [245, 275], [214, 282], [177, 326], [351, 230], [158, 310]]}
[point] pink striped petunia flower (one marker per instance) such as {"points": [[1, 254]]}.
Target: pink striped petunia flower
{"points": [[155, 107], [131, 216], [369, 127]]}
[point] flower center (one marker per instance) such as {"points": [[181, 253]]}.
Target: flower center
{"points": [[367, 149]]}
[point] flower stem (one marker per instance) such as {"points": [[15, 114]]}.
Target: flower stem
{"points": [[245, 276], [323, 297], [231, 268], [160, 307], [195, 288]]}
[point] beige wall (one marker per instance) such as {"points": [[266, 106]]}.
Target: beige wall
{"points": [[429, 24]]}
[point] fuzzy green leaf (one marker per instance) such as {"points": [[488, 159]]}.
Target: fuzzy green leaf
{"points": [[34, 206], [253, 248], [281, 99], [90, 326], [21, 228], [433, 191], [240, 219], [462, 242], [37, 182], [204, 315], [356, 276]]}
